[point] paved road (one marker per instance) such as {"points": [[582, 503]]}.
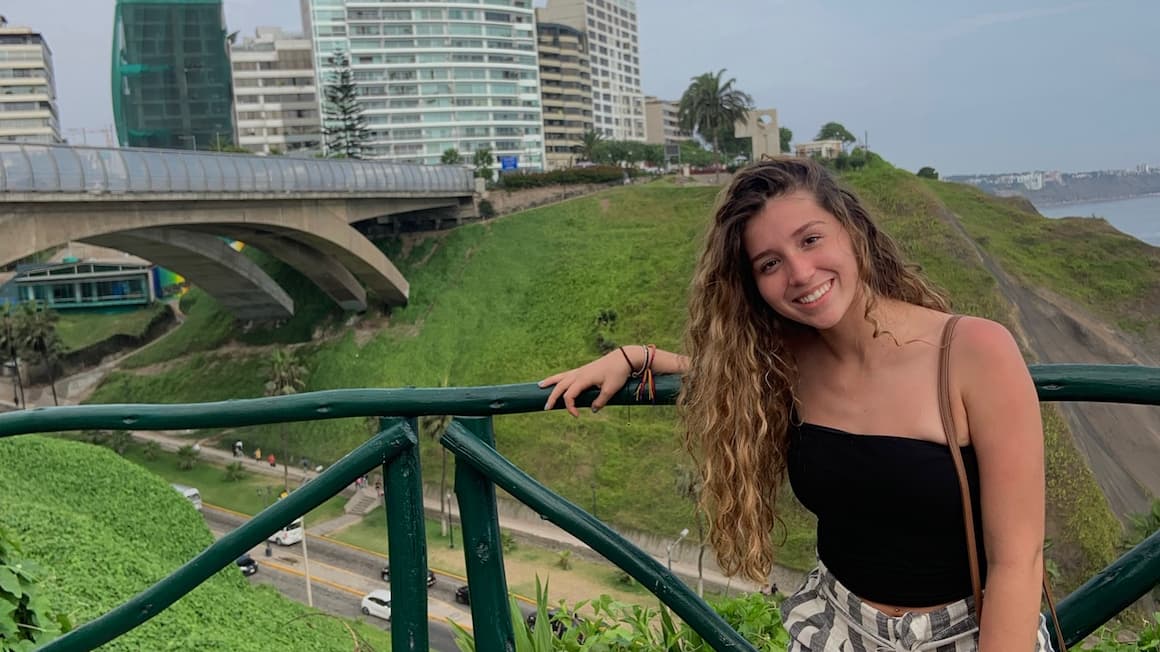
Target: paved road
{"points": [[340, 577]]}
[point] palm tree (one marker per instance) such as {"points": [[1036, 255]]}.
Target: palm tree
{"points": [[286, 375], [710, 105], [38, 332], [10, 346], [589, 143]]}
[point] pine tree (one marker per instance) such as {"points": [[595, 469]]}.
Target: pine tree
{"points": [[343, 125]]}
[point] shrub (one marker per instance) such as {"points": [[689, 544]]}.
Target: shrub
{"points": [[235, 472], [570, 176], [187, 457], [486, 210]]}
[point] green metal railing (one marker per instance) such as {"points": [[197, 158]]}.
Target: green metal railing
{"points": [[479, 470]]}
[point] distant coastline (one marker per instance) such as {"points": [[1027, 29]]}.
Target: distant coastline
{"points": [[1068, 202]]}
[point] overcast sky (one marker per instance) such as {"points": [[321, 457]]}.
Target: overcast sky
{"points": [[965, 86]]}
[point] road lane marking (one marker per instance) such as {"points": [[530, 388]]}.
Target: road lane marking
{"points": [[351, 546], [442, 620]]}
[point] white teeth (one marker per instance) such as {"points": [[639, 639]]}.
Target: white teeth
{"points": [[816, 294]]}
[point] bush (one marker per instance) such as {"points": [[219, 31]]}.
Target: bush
{"points": [[486, 210], [235, 472], [564, 559], [27, 621], [187, 457], [570, 176]]}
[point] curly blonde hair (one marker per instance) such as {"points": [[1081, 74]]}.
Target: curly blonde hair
{"points": [[737, 394]]}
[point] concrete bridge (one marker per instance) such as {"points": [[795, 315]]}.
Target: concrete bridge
{"points": [[174, 207]]}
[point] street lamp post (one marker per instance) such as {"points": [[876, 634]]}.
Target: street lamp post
{"points": [[669, 549], [450, 524]]}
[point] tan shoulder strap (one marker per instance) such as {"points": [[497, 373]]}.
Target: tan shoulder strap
{"points": [[948, 423]]}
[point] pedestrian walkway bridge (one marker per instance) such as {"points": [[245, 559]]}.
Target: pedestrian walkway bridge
{"points": [[479, 469], [173, 207]]}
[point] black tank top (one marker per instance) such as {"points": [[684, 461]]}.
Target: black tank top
{"points": [[890, 514]]}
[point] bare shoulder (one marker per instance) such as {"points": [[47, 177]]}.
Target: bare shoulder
{"points": [[982, 341], [985, 354]]}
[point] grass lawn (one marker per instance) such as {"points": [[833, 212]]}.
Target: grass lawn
{"points": [[78, 330], [249, 495], [1084, 259], [523, 563]]}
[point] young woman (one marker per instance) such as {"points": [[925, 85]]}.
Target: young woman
{"points": [[813, 352]]}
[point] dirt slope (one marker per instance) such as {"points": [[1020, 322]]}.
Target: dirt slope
{"points": [[1121, 442]]}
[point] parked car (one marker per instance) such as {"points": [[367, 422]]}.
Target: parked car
{"points": [[247, 565], [557, 622], [386, 575], [462, 595], [191, 494], [377, 603]]}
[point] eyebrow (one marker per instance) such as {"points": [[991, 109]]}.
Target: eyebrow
{"points": [[796, 234], [805, 227]]}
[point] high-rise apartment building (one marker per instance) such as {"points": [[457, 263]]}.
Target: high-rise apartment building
{"points": [[275, 97], [662, 119], [28, 112], [566, 87], [614, 50], [171, 74], [434, 76]]}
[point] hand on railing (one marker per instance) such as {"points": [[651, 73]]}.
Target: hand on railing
{"points": [[609, 373]]}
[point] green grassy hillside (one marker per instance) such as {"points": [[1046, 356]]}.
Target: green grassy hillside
{"points": [[518, 298], [1084, 259], [102, 529]]}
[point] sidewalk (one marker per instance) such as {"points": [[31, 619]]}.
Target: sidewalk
{"points": [[538, 529]]}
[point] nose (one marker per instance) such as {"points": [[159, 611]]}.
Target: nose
{"points": [[799, 269]]}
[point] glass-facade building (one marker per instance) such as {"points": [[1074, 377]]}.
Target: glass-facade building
{"points": [[438, 75], [171, 74], [69, 285]]}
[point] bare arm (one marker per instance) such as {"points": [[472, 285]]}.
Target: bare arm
{"points": [[1007, 433], [609, 373]]}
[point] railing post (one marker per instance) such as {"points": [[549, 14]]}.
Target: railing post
{"points": [[407, 545], [482, 547]]}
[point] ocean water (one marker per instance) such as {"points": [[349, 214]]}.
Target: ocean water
{"points": [[1139, 216]]}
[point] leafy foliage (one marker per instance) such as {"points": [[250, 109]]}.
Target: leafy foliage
{"points": [[711, 104], [451, 156], [927, 172], [26, 619], [108, 529], [835, 131], [784, 136], [343, 124], [589, 143], [569, 176], [606, 625], [483, 160], [1106, 639], [187, 457]]}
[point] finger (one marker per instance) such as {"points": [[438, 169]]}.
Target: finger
{"points": [[551, 380], [570, 399], [606, 393], [557, 390]]}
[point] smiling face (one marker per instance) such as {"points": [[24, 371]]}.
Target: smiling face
{"points": [[802, 261]]}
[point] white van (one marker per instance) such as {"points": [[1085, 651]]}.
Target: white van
{"points": [[190, 493], [289, 535]]}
